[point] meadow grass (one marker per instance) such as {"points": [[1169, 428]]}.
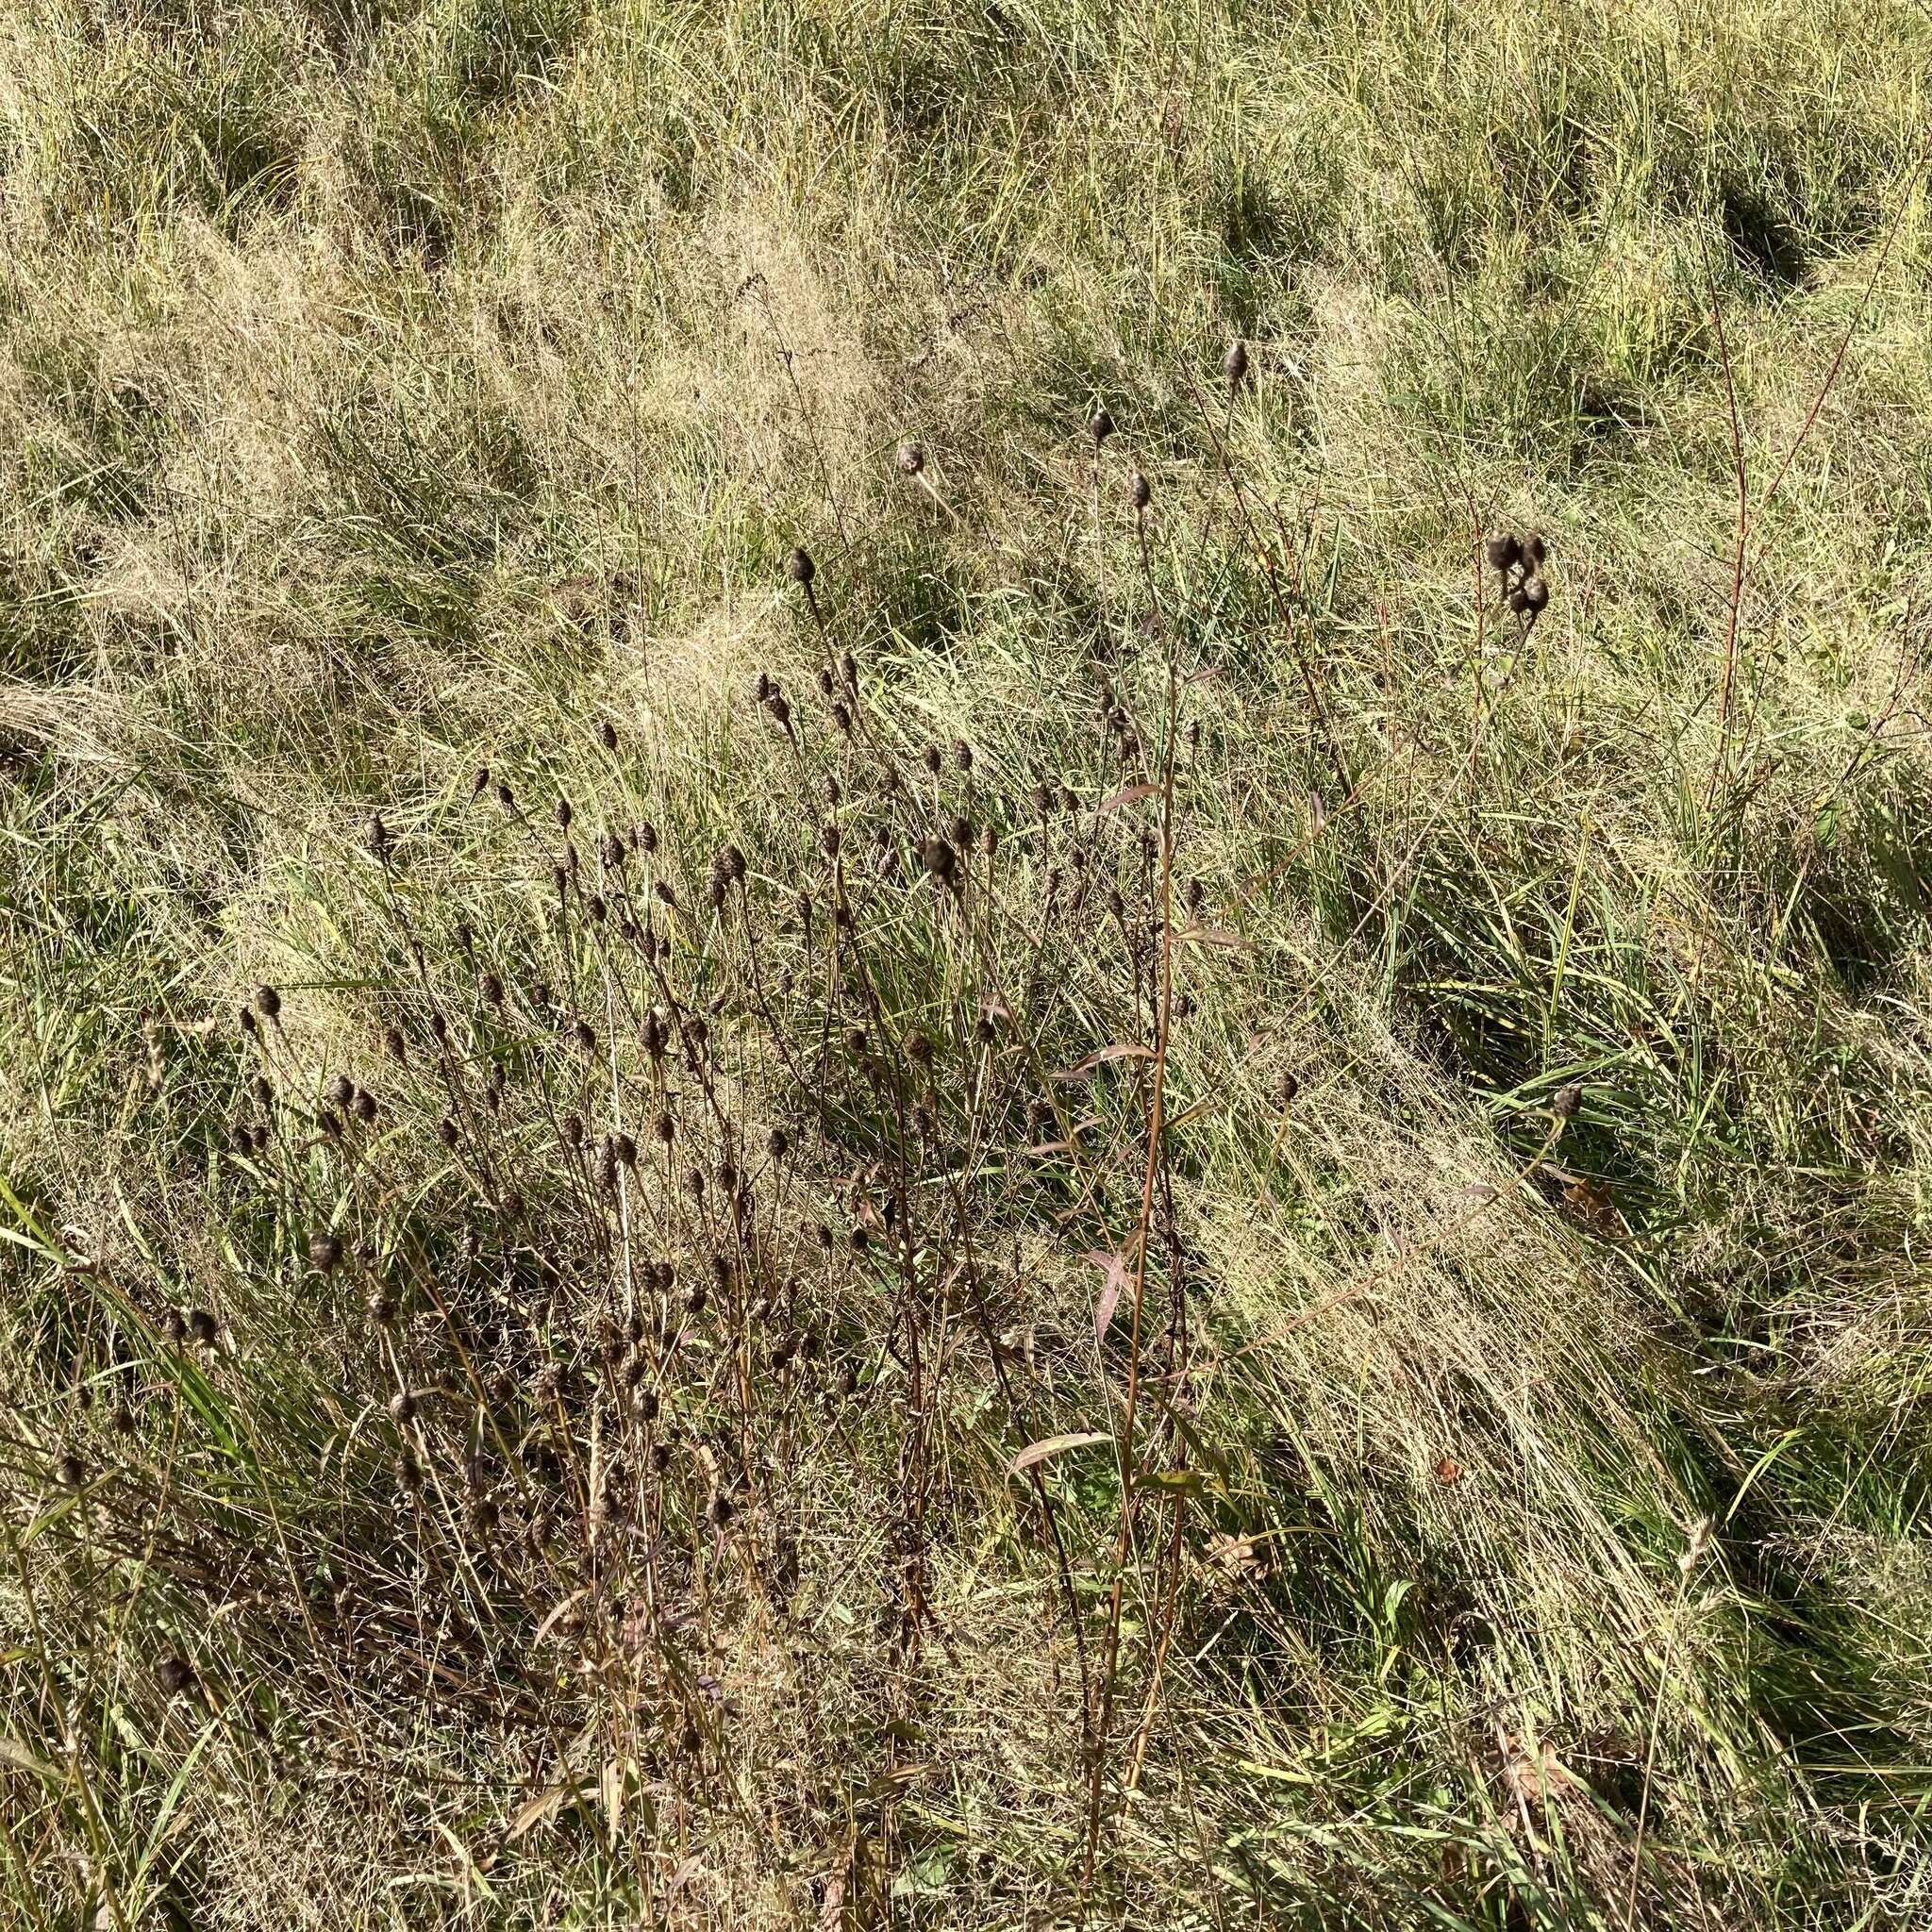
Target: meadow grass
{"points": [[836, 1092]]}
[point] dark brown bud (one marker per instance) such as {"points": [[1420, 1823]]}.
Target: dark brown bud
{"points": [[799, 566], [1140, 491], [268, 1002]]}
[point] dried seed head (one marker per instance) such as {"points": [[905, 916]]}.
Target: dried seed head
{"points": [[963, 754], [912, 459], [394, 1045], [1286, 1088], [325, 1252], [645, 836], [1140, 491], [962, 831], [403, 1406], [1502, 552], [1536, 594], [446, 1131], [480, 784], [624, 1150], [1534, 550], [1567, 1102], [829, 839], [379, 836], [69, 1471], [203, 1327], [609, 734], [1233, 365], [341, 1090], [504, 796], [799, 566], [933, 761], [940, 860], [268, 1002], [1099, 426], [665, 1129], [175, 1677]]}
